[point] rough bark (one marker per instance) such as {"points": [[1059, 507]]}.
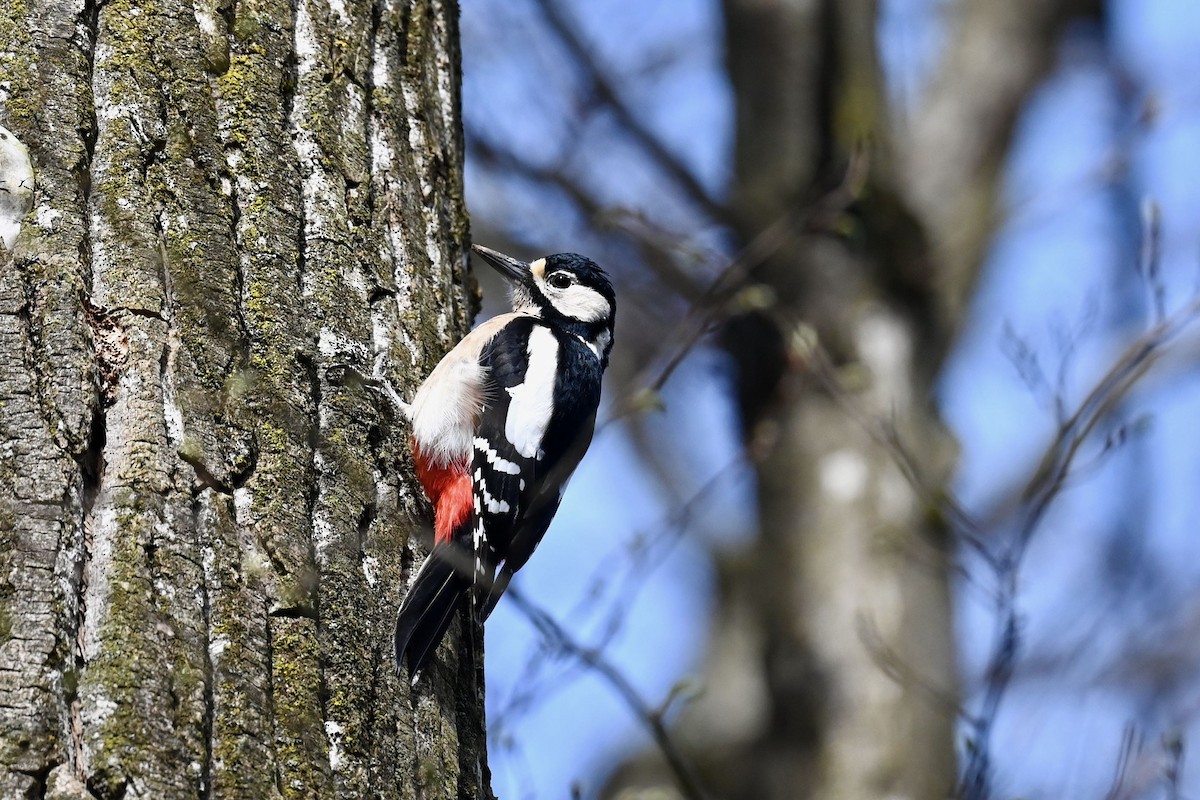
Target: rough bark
{"points": [[203, 534]]}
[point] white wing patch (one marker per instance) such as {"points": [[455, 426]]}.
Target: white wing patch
{"points": [[533, 400], [493, 505], [479, 541]]}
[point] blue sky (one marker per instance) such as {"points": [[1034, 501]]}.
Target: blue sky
{"points": [[1116, 558]]}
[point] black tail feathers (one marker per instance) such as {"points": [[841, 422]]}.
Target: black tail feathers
{"points": [[426, 612]]}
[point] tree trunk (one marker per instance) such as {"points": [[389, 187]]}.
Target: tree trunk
{"points": [[850, 571], [204, 535], [844, 601]]}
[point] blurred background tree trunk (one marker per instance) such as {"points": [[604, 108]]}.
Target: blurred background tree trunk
{"points": [[837, 334], [203, 537]]}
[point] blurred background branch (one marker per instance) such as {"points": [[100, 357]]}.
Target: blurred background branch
{"points": [[892, 304]]}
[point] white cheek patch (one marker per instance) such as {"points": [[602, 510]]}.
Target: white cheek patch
{"points": [[533, 400], [580, 302]]}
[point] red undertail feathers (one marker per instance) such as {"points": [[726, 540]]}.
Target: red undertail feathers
{"points": [[448, 487]]}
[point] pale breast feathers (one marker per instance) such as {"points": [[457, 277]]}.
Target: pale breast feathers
{"points": [[446, 408]]}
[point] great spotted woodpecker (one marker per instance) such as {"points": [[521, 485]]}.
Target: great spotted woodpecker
{"points": [[497, 429]]}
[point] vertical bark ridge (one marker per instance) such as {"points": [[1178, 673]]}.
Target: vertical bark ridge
{"points": [[329, 132], [253, 98], [47, 396]]}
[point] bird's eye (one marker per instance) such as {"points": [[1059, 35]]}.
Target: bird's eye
{"points": [[559, 280]]}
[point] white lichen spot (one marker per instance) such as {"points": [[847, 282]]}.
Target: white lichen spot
{"points": [[382, 156], [370, 568], [843, 475], [339, 7], [323, 536], [106, 111], [208, 559], [355, 279], [381, 330], [324, 530], [442, 323], [355, 104], [45, 217], [335, 345], [205, 20], [380, 71], [217, 646], [102, 709], [305, 41], [16, 186], [172, 413], [97, 590], [333, 732], [243, 501]]}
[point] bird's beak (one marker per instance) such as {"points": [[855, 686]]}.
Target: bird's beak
{"points": [[511, 268]]}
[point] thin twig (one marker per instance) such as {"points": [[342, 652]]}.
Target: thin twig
{"points": [[1150, 264], [606, 91], [558, 637], [655, 252], [651, 552], [737, 272], [1046, 484]]}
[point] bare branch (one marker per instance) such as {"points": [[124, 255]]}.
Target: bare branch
{"points": [[645, 552], [558, 637], [606, 92], [1137, 359], [1046, 484], [657, 251]]}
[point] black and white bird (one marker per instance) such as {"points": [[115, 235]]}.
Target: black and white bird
{"points": [[497, 430]]}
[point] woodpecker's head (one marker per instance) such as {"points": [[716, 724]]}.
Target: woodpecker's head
{"points": [[565, 289]]}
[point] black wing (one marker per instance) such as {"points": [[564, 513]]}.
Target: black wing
{"points": [[518, 485], [500, 474]]}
